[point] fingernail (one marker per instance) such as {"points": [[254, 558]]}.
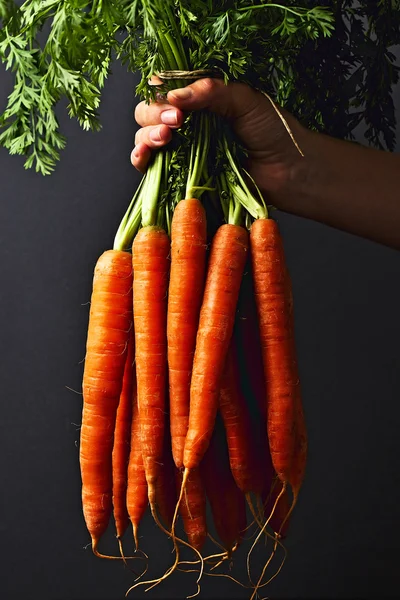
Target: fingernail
{"points": [[155, 135], [169, 117], [182, 93]]}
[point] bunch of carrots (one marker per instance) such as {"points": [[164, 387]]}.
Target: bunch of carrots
{"points": [[179, 321]]}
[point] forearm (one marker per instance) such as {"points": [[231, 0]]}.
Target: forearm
{"points": [[344, 185]]}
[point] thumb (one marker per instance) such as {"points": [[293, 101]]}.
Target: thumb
{"points": [[232, 101]]}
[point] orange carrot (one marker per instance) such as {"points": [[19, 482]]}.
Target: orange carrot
{"points": [[227, 502], [110, 322], [122, 442], [165, 486], [246, 467], [300, 447], [136, 493], [227, 260], [188, 262], [276, 342], [151, 249], [248, 344], [193, 508]]}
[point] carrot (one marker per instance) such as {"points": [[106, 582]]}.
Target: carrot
{"points": [[300, 449], [151, 250], [227, 260], [193, 508], [165, 486], [122, 442], [188, 263], [280, 366], [136, 493], [227, 502], [110, 322], [245, 464], [248, 343]]}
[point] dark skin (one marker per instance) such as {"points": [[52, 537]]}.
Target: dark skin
{"points": [[342, 184]]}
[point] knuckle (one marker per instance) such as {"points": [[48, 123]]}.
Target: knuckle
{"points": [[207, 85], [139, 113], [138, 136]]}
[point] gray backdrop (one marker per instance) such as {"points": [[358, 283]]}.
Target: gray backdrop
{"points": [[344, 535]]}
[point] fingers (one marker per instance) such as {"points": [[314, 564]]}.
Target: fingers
{"points": [[140, 156], [154, 136], [158, 112], [147, 139], [232, 101]]}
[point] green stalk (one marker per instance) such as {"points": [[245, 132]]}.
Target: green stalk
{"points": [[153, 189], [131, 221], [258, 210], [198, 156]]}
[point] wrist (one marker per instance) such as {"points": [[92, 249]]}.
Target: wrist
{"points": [[284, 182]]}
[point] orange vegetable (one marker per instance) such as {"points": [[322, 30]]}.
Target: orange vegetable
{"points": [[227, 502], [193, 508], [110, 322], [227, 260], [286, 427], [245, 465], [151, 249], [122, 443], [136, 493], [188, 263]]}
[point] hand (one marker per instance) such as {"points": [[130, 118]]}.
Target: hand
{"points": [[271, 151]]}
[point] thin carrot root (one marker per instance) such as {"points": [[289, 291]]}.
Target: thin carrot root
{"points": [[263, 531], [109, 557], [154, 582], [124, 558]]}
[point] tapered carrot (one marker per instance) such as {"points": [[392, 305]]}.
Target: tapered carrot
{"points": [[227, 259], [165, 486], [188, 262], [274, 305], [227, 502], [136, 493], [245, 465], [300, 442], [110, 322], [122, 443], [193, 508], [151, 249], [248, 343]]}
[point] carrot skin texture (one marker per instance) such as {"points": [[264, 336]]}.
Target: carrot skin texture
{"points": [[226, 264], [136, 493], [244, 463], [193, 508], [110, 322], [122, 443], [280, 365], [188, 265], [150, 256], [229, 516]]}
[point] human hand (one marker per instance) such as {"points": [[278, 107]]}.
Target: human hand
{"points": [[271, 152]]}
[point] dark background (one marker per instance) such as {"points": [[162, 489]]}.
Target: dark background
{"points": [[344, 535]]}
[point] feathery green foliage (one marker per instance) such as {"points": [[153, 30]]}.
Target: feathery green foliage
{"points": [[329, 62]]}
